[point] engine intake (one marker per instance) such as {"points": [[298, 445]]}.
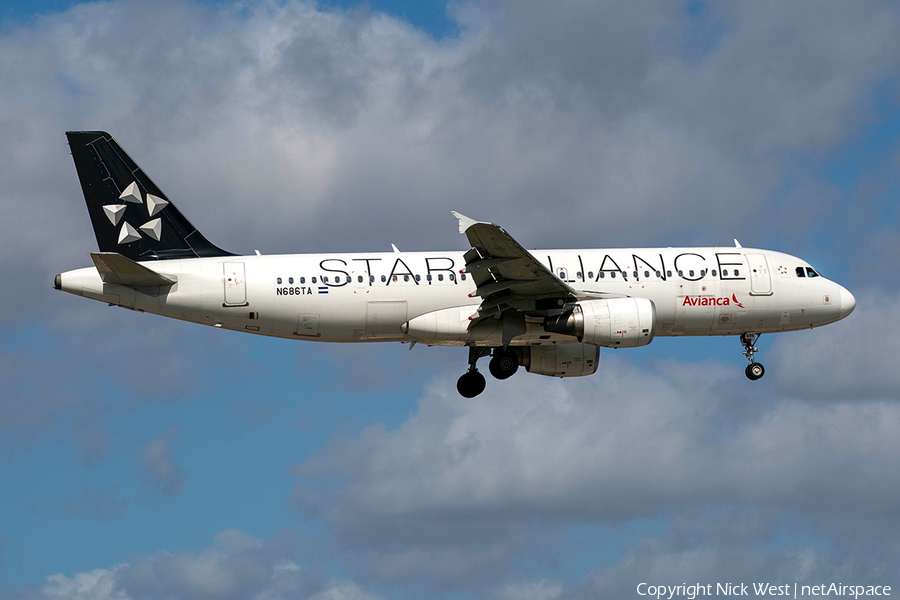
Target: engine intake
{"points": [[611, 323]]}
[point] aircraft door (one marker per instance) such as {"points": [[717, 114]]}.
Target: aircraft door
{"points": [[235, 284], [760, 279]]}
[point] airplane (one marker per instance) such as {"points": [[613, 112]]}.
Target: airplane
{"points": [[549, 311]]}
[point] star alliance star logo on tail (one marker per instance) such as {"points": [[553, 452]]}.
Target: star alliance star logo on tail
{"points": [[132, 195]]}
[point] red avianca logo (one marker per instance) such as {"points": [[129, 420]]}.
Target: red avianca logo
{"points": [[711, 301]]}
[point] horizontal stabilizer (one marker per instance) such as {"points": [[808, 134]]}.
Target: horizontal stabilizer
{"points": [[117, 269]]}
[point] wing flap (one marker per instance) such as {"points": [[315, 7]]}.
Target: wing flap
{"points": [[117, 269]]}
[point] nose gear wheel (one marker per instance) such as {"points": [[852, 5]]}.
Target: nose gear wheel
{"points": [[754, 369]]}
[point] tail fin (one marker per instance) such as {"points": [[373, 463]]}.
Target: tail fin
{"points": [[130, 215]]}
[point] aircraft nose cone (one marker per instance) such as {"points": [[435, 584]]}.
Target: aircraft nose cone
{"points": [[848, 302]]}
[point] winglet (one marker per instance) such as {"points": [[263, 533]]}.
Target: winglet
{"points": [[464, 221]]}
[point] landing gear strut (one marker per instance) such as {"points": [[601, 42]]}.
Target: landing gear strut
{"points": [[754, 370], [504, 364], [471, 383]]}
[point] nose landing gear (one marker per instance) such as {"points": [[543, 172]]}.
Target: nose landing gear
{"points": [[754, 370]]}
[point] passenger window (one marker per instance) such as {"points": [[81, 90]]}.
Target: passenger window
{"points": [[602, 274], [713, 272], [646, 273], [681, 273], [428, 277], [406, 278], [303, 280], [590, 274], [290, 280], [578, 275], [418, 278], [394, 279], [658, 274], [635, 274], [613, 274], [452, 276], [737, 273], [668, 273], [724, 272], [691, 273], [371, 279], [440, 276], [811, 272], [462, 276], [313, 279], [325, 279], [359, 279], [279, 281], [383, 278]]}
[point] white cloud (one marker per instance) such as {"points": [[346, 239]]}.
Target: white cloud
{"points": [[99, 584], [235, 566]]}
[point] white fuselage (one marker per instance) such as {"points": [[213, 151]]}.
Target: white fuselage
{"points": [[369, 297]]}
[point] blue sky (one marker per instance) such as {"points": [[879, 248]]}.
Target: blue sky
{"points": [[142, 458]]}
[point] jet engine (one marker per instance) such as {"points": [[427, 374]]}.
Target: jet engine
{"points": [[611, 323], [563, 360]]}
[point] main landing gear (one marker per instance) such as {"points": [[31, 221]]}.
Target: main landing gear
{"points": [[754, 370], [503, 365], [471, 383]]}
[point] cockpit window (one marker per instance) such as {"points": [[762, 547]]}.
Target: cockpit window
{"points": [[801, 272], [810, 272]]}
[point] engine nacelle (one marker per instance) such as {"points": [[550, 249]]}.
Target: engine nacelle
{"points": [[611, 323], [562, 360]]}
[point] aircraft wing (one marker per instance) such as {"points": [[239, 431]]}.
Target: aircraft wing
{"points": [[507, 277]]}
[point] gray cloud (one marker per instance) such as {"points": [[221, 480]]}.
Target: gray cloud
{"points": [[160, 470], [460, 484], [287, 128], [852, 359], [280, 123], [745, 545], [104, 504]]}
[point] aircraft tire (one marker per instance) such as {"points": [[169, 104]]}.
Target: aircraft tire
{"points": [[754, 371], [503, 365], [470, 384]]}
